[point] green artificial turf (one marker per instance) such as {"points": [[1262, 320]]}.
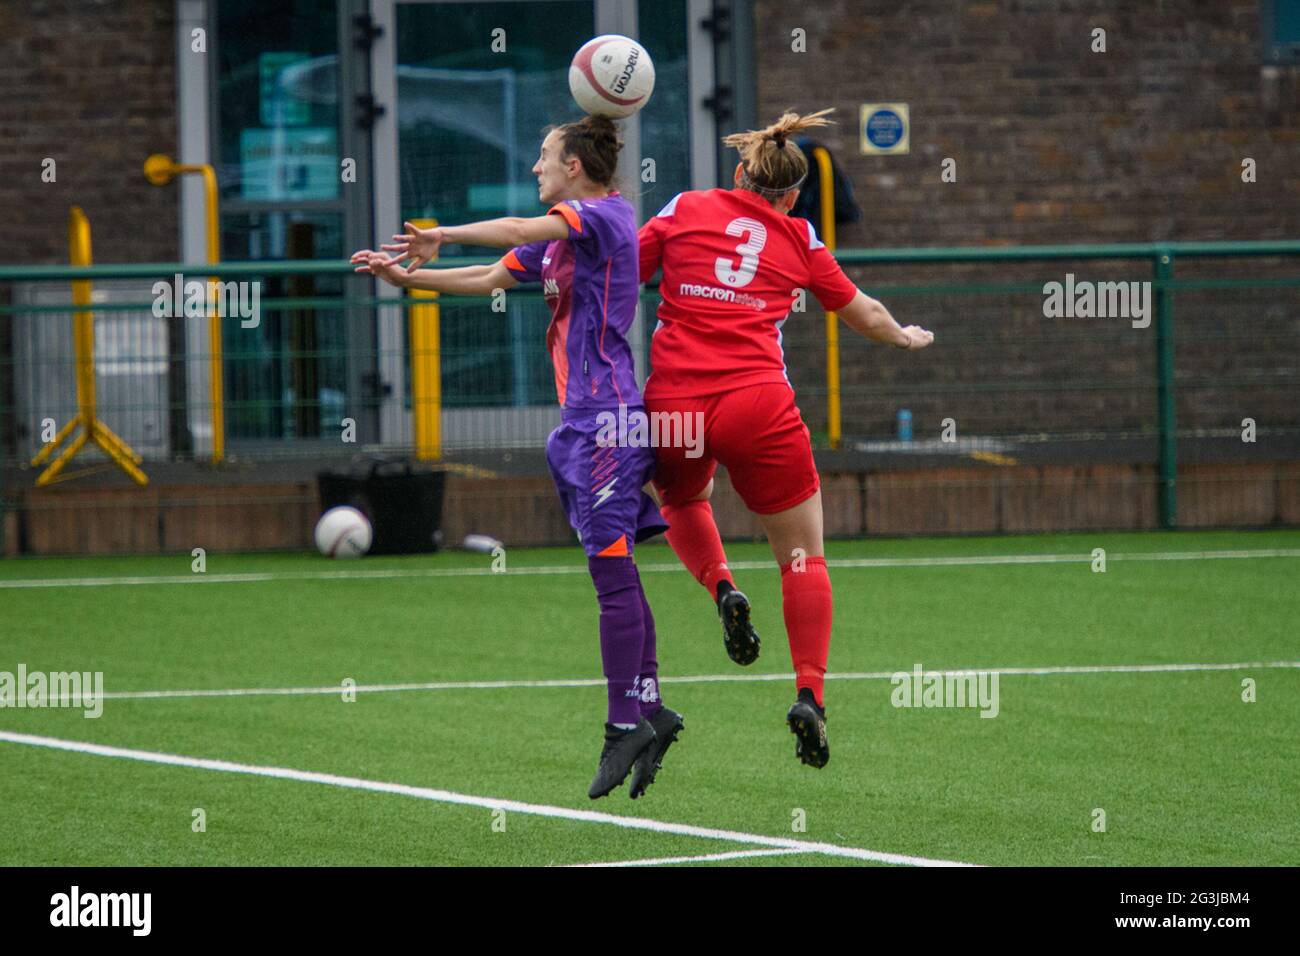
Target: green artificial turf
{"points": [[1185, 770]]}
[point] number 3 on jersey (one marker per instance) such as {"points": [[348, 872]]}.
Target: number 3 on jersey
{"points": [[749, 250]]}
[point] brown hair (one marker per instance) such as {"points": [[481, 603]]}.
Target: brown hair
{"points": [[595, 141], [773, 164]]}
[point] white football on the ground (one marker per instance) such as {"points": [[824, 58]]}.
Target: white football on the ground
{"points": [[343, 532]]}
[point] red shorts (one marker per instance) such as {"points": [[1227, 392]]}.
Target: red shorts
{"points": [[756, 432]]}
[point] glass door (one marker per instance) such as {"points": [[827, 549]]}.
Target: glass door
{"points": [[282, 124], [474, 84]]}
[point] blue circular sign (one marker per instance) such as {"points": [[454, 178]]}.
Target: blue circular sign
{"points": [[884, 129]]}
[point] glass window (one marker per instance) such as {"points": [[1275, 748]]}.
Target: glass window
{"points": [[666, 121], [277, 100], [1280, 29], [470, 122], [287, 376], [277, 138], [470, 118]]}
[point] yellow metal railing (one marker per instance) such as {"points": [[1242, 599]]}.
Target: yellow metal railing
{"points": [[827, 182], [83, 344], [160, 170], [426, 369]]}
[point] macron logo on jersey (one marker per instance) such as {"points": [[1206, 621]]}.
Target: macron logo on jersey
{"points": [[721, 295]]}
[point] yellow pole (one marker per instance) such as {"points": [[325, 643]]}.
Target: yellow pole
{"points": [[83, 346], [827, 181], [426, 369], [159, 170], [83, 331], [83, 350], [216, 362]]}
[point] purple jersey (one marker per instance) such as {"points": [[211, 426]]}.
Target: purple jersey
{"points": [[590, 281]]}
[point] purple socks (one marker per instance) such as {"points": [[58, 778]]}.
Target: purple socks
{"points": [[627, 640]]}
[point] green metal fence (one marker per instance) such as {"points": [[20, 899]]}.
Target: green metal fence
{"points": [[1149, 351], [1220, 347]]}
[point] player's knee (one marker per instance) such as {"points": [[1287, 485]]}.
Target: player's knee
{"points": [[705, 493], [671, 501], [612, 573]]}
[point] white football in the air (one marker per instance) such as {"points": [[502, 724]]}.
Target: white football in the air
{"points": [[612, 76], [343, 532]]}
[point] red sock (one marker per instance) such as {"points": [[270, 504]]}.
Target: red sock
{"points": [[693, 535], [806, 601]]}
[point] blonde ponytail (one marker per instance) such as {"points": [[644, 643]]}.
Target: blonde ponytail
{"points": [[773, 164]]}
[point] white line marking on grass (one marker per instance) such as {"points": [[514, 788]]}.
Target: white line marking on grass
{"points": [[669, 860], [487, 803], [688, 679], [362, 574]]}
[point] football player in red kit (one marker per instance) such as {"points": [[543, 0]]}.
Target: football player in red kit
{"points": [[733, 261]]}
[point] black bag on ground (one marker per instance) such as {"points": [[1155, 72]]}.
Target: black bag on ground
{"points": [[404, 505]]}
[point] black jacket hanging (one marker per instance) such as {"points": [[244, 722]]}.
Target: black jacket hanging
{"points": [[809, 204]]}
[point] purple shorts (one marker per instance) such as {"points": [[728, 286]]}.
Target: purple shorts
{"points": [[600, 488]]}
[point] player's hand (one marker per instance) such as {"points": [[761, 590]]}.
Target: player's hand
{"points": [[420, 245], [917, 337], [380, 265]]}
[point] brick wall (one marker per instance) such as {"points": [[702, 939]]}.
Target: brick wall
{"points": [[1053, 144], [91, 86]]}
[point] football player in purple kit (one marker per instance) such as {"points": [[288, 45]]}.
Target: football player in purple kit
{"points": [[584, 253]]}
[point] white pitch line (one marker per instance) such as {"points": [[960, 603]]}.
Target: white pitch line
{"points": [[362, 574], [670, 860], [462, 799], [687, 679]]}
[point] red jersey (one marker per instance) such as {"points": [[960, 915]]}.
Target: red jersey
{"points": [[733, 266]]}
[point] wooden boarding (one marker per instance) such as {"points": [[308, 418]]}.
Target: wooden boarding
{"points": [[524, 511]]}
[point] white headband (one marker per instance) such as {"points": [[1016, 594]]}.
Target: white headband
{"points": [[764, 191]]}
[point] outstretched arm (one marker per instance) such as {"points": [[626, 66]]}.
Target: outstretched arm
{"points": [[421, 245], [467, 280], [870, 319], [508, 232]]}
